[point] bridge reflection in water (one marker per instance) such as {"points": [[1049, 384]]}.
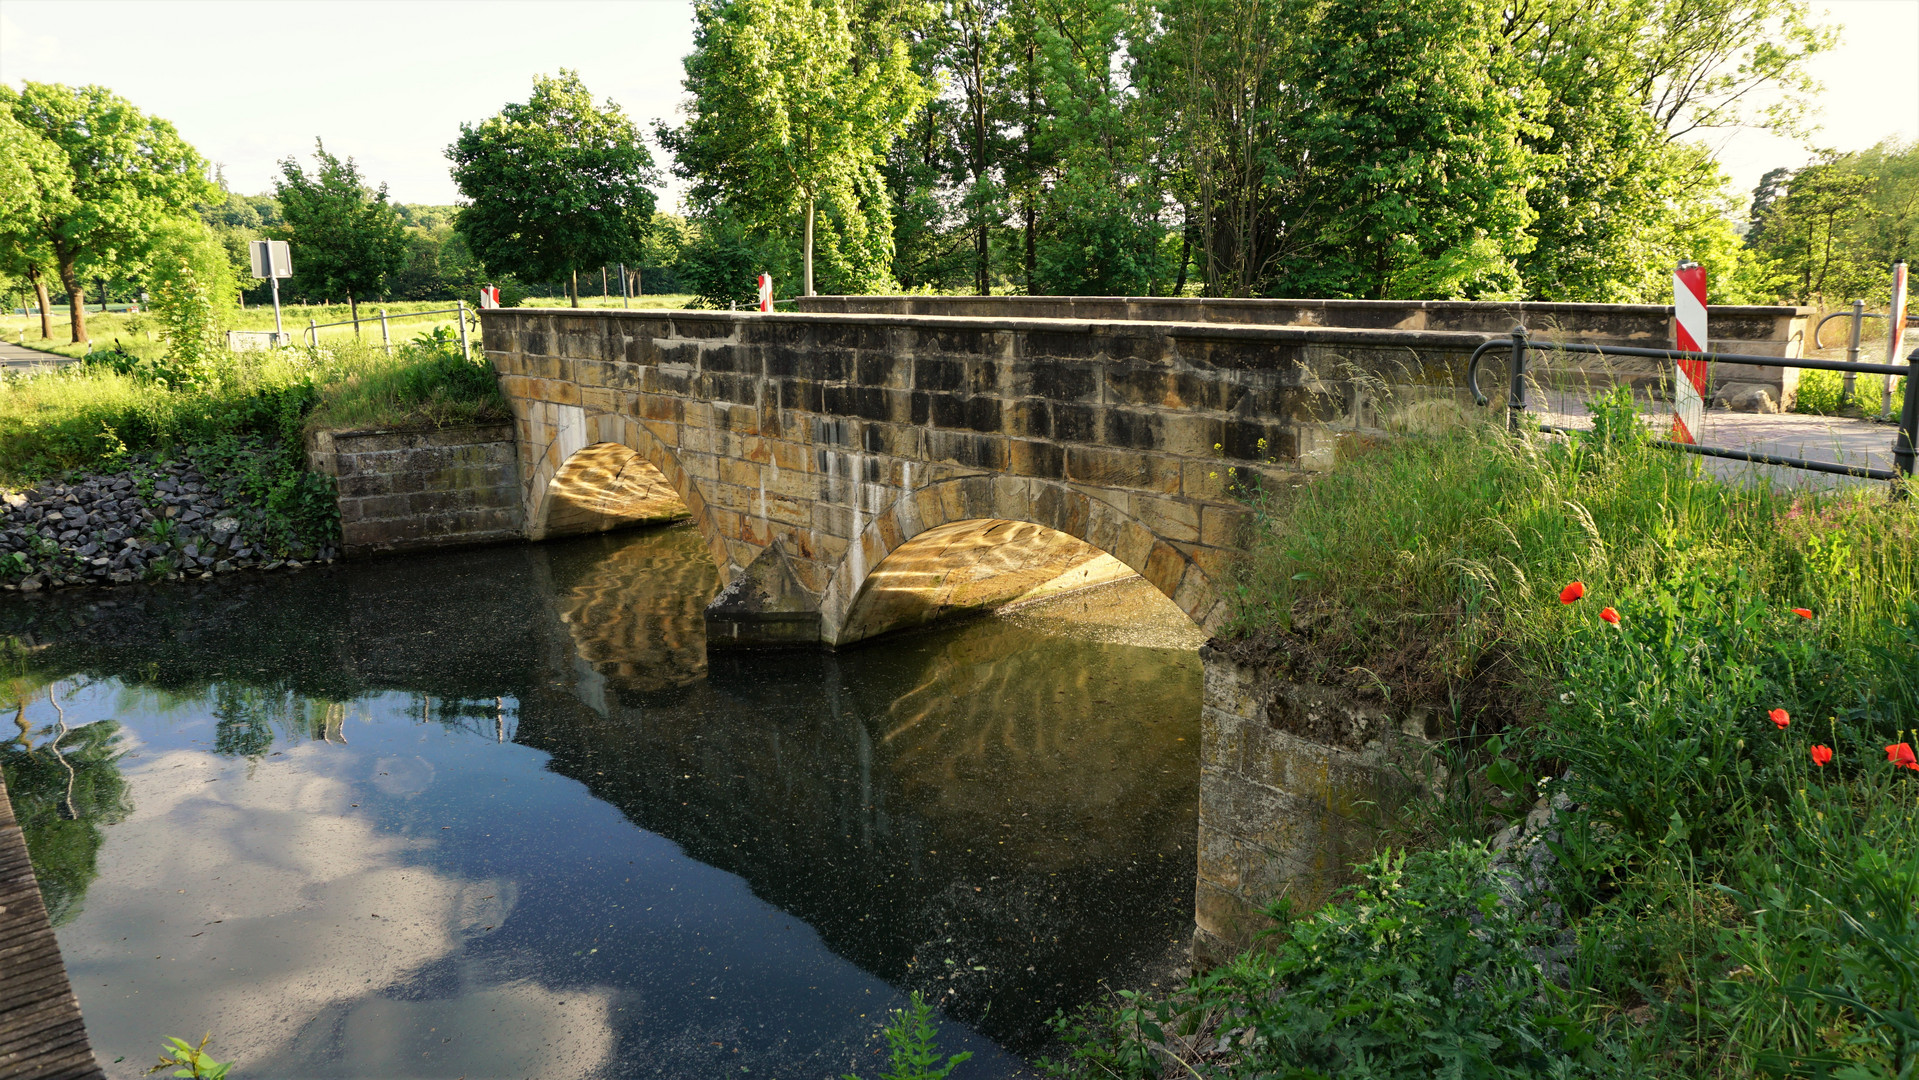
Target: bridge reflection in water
{"points": [[994, 812], [999, 816]]}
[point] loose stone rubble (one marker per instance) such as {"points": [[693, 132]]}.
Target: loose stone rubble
{"points": [[154, 521]]}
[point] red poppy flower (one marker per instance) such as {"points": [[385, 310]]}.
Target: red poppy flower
{"points": [[1804, 613], [1901, 754], [1609, 615], [1780, 718], [1821, 755], [1572, 592]]}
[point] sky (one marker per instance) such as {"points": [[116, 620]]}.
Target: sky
{"points": [[389, 83]]}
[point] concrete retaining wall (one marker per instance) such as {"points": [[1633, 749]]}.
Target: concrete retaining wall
{"points": [[435, 487]]}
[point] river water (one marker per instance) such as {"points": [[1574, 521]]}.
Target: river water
{"points": [[491, 814]]}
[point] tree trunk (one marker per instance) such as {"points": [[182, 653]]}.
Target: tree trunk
{"points": [[1185, 257], [76, 300], [1032, 227], [573, 287], [40, 295], [809, 245]]}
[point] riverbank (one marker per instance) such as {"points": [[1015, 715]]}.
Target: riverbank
{"points": [[1702, 694]]}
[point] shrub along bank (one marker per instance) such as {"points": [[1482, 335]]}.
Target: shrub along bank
{"points": [[1722, 713], [159, 467]]}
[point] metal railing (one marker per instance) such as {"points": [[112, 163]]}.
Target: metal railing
{"points": [[1904, 441], [386, 336]]}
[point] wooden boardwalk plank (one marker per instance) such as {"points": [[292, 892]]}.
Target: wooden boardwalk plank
{"points": [[42, 1036]]}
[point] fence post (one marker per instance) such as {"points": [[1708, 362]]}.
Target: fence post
{"points": [[1852, 353], [1908, 438], [355, 309], [465, 350], [386, 339], [313, 335], [1516, 397]]}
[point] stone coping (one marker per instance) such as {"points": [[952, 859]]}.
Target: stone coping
{"points": [[1277, 334], [1543, 307]]}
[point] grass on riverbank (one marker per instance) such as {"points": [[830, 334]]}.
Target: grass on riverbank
{"points": [[1733, 891], [86, 416]]}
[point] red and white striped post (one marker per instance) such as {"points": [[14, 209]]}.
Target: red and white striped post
{"points": [[766, 292], [1895, 334], [1689, 335]]}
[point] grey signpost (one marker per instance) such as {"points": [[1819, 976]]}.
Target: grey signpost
{"points": [[272, 261]]}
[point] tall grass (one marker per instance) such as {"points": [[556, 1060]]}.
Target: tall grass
{"points": [[1446, 550]]}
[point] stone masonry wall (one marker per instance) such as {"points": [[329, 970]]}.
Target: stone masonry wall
{"points": [[437, 487], [1288, 774]]}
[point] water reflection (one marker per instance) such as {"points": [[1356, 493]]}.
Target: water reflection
{"points": [[66, 789], [496, 794]]}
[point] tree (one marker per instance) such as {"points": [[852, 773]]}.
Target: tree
{"points": [[788, 117], [34, 181], [344, 236], [130, 175], [554, 186]]}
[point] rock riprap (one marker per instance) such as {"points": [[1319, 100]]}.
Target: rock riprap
{"points": [[154, 521]]}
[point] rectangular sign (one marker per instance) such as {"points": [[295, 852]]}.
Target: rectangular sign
{"points": [[270, 258]]}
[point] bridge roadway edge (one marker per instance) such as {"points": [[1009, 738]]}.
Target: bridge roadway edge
{"points": [[42, 1036]]}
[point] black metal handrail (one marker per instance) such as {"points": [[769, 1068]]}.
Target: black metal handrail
{"points": [[1904, 441]]}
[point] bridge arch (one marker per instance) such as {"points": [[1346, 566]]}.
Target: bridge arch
{"points": [[598, 471], [917, 544]]}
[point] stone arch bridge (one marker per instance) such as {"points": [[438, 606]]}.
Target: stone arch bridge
{"points": [[854, 473]]}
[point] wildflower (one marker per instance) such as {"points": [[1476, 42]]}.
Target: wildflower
{"points": [[1901, 754], [1572, 592], [1780, 718], [1804, 613], [1609, 615], [1821, 755]]}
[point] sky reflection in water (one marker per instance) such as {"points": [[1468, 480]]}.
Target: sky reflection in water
{"points": [[489, 814]]}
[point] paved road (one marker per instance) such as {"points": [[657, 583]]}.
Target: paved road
{"points": [[1817, 438], [19, 358]]}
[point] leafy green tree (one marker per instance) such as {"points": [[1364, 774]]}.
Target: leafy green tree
{"points": [[130, 174], [344, 236], [193, 290], [788, 117], [1842, 222], [34, 179], [1411, 152], [555, 185], [1104, 205]]}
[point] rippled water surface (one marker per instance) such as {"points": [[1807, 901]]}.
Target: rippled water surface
{"points": [[491, 814]]}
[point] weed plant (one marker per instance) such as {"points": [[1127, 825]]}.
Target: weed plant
{"points": [[1723, 710], [1820, 393]]}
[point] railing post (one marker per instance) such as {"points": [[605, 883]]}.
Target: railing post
{"points": [[465, 350], [1908, 438], [355, 309], [313, 335], [1516, 397], [386, 339], [1852, 353]]}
